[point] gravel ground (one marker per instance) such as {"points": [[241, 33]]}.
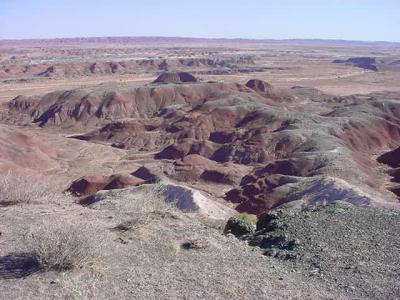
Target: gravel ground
{"points": [[347, 248]]}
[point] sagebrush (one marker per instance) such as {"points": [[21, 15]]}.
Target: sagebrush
{"points": [[61, 247], [17, 190]]}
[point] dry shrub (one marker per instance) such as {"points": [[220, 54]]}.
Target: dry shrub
{"points": [[17, 190], [147, 208], [154, 201], [61, 247]]}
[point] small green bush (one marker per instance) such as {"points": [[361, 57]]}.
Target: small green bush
{"points": [[247, 218], [238, 227]]}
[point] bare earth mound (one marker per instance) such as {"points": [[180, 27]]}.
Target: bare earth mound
{"points": [[180, 77], [24, 154]]}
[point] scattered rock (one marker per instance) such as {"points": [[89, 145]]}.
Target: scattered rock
{"points": [[194, 244], [121, 240]]}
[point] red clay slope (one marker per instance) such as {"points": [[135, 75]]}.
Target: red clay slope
{"points": [[24, 154]]}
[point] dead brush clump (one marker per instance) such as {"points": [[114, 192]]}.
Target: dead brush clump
{"points": [[150, 200], [149, 208], [17, 190], [61, 247], [154, 200]]}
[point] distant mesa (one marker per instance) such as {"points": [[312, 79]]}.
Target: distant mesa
{"points": [[371, 63], [367, 63], [76, 68], [175, 77]]}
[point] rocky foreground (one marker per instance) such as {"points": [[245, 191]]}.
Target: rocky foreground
{"points": [[139, 248]]}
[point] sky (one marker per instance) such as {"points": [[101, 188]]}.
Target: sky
{"points": [[369, 20]]}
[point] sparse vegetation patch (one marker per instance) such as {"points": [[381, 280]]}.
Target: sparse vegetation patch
{"points": [[61, 247]]}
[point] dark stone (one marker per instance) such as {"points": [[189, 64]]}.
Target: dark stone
{"points": [[273, 241], [267, 221]]}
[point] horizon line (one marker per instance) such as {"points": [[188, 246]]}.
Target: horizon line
{"points": [[201, 38]]}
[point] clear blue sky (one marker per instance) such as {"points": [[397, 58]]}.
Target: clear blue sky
{"points": [[277, 19]]}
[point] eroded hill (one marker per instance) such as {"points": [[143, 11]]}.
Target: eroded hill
{"points": [[295, 146]]}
